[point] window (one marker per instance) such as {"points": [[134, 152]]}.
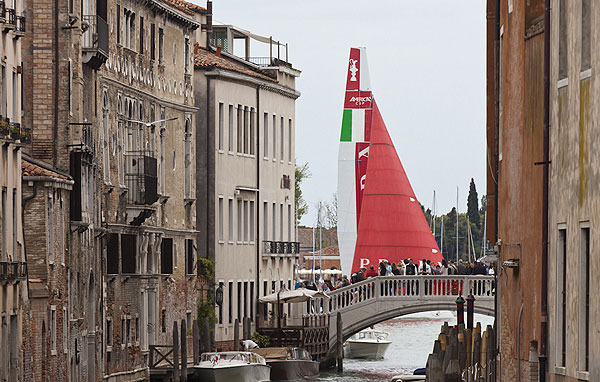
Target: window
{"points": [[4, 93], [128, 331], [562, 41], [265, 292], [281, 222], [239, 300], [221, 224], [65, 333], [187, 160], [252, 132], [52, 329], [266, 136], [109, 332], [265, 220], [273, 237], [281, 140], [161, 45], [123, 334], [245, 299], [274, 137], [4, 254], [174, 160], [230, 132], [174, 53], [163, 320], [118, 23], [128, 253], [152, 41], [220, 321], [49, 227], [500, 101], [586, 36], [246, 134], [230, 302], [166, 256], [186, 56], [112, 254], [561, 295], [289, 214], [162, 153], [251, 218], [220, 127], [245, 221], [105, 137], [141, 34], [290, 140], [251, 301], [240, 220], [189, 256], [230, 224], [240, 127], [584, 298]]}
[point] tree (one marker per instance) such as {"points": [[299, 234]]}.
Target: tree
{"points": [[301, 174], [331, 212], [473, 205]]}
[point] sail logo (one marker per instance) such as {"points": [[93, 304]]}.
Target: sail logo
{"points": [[360, 100], [353, 70]]}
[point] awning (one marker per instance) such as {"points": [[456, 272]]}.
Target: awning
{"points": [[297, 295]]}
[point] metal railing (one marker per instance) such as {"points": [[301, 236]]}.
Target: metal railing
{"points": [[96, 35], [21, 23], [2, 10], [14, 131], [10, 16], [141, 178], [13, 269], [281, 247]]}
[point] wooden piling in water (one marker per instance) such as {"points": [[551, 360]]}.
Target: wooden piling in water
{"points": [[196, 342], [183, 351], [175, 352], [236, 335]]}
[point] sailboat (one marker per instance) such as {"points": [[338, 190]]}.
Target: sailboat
{"points": [[379, 217]]}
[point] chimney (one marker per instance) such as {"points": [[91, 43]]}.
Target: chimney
{"points": [[218, 53], [208, 26]]}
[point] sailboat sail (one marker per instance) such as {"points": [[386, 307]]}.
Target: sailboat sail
{"points": [[379, 217], [353, 152]]}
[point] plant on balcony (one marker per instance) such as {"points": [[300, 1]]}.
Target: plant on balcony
{"points": [[15, 132], [206, 267], [25, 135], [4, 127]]}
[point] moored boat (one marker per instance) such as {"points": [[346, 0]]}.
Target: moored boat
{"points": [[288, 364], [369, 343], [235, 366]]}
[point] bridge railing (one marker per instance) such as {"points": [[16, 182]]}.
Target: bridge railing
{"points": [[405, 288]]}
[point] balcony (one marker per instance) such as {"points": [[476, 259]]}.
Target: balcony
{"points": [[20, 26], [2, 11], [94, 44], [11, 270], [10, 19], [268, 61], [281, 247], [141, 178], [14, 131]]}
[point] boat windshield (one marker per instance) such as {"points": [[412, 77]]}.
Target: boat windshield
{"points": [[371, 335], [232, 356]]}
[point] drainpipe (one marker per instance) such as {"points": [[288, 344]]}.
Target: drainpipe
{"points": [[56, 85], [545, 190], [496, 149], [257, 204]]}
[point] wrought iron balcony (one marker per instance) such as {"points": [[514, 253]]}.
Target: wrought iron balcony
{"points": [[14, 131], [140, 178], [2, 10], [21, 24], [94, 42], [10, 19], [10, 270], [280, 247]]}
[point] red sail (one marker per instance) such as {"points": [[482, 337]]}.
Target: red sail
{"points": [[392, 225]]}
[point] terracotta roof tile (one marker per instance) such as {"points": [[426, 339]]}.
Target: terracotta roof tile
{"points": [[185, 6], [32, 169], [206, 59]]}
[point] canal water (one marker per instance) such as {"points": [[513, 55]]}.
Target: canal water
{"points": [[412, 339]]}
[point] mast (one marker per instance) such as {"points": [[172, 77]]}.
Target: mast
{"points": [[469, 237], [433, 215], [457, 224], [442, 235], [483, 240], [320, 245]]}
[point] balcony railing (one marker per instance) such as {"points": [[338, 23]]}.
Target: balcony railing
{"points": [[13, 270], [14, 131], [140, 178], [10, 16], [281, 247], [95, 40], [268, 61], [2, 10], [21, 23]]}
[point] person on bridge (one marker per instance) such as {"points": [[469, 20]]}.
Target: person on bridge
{"points": [[460, 268], [410, 267], [444, 268], [382, 269], [397, 271]]}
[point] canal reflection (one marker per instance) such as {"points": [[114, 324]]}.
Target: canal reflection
{"points": [[412, 340]]}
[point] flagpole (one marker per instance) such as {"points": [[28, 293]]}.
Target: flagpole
{"points": [[457, 224]]}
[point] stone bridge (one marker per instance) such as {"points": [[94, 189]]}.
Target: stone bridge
{"points": [[381, 298]]}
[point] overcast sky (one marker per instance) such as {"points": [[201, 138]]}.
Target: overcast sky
{"points": [[427, 65]]}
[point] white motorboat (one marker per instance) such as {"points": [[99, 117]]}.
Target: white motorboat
{"points": [[369, 343], [234, 366]]}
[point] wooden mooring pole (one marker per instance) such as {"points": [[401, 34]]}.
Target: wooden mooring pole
{"points": [[340, 344], [175, 352], [236, 335], [183, 351]]}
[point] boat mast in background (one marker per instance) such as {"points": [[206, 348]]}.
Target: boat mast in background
{"points": [[457, 224]]}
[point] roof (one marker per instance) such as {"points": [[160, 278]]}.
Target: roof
{"points": [[206, 59], [185, 6], [30, 168]]}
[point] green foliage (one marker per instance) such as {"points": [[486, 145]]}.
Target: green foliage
{"points": [[206, 267], [473, 205], [261, 340], [206, 310], [301, 174]]}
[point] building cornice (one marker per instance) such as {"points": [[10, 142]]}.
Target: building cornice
{"points": [[237, 77]]}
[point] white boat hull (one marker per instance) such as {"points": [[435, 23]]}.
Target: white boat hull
{"points": [[366, 349], [234, 373]]}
